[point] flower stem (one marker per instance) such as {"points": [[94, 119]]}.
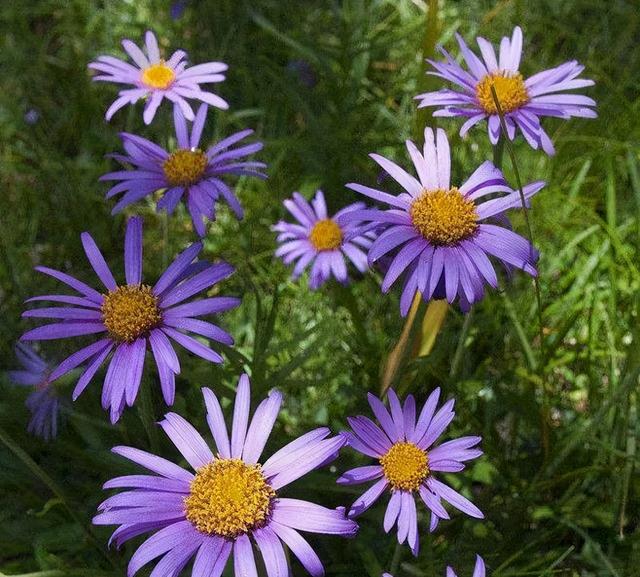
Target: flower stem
{"points": [[395, 560], [38, 472], [545, 393]]}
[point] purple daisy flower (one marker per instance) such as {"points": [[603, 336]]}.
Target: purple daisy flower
{"points": [[188, 173], [441, 231], [322, 242], [523, 102], [407, 462], [231, 500], [155, 79], [43, 402], [478, 571], [134, 315]]}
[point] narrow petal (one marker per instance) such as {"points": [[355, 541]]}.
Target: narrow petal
{"points": [[133, 251], [187, 440], [240, 416], [261, 425], [215, 420], [368, 498]]}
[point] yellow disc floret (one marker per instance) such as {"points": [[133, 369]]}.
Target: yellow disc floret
{"points": [[129, 311], [185, 166], [158, 76], [405, 466], [325, 235], [228, 498], [510, 90], [444, 217]]}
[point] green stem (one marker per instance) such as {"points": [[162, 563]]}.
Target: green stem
{"points": [[39, 473], [147, 415], [395, 560], [457, 357], [498, 153], [516, 172]]}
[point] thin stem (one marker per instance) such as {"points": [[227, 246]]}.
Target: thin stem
{"points": [[516, 172], [457, 357], [395, 560], [53, 487], [147, 415]]}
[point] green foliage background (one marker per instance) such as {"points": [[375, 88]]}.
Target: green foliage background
{"points": [[572, 514]]}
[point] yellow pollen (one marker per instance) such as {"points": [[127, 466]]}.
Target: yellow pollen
{"points": [[444, 217], [510, 90], [129, 311], [158, 76], [325, 235], [184, 166], [228, 498], [405, 466]]}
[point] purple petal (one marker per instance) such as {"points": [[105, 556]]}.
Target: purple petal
{"points": [[300, 548], [273, 554], [133, 251], [187, 440], [368, 498], [97, 261], [306, 516], [322, 452], [261, 426], [244, 563], [154, 463], [360, 475]]}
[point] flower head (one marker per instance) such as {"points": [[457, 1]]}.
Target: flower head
{"points": [[187, 173], [155, 79], [408, 463], [478, 571], [320, 241], [43, 403], [132, 316], [230, 500], [441, 230], [523, 101]]}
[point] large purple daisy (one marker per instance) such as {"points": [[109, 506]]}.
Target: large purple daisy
{"points": [[478, 571], [187, 173], [522, 101], [320, 241], [154, 79], [407, 463], [231, 500], [134, 315], [43, 403], [441, 231]]}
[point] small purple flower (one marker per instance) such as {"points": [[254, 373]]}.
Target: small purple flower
{"points": [[231, 500], [32, 116], [155, 79], [134, 315], [187, 173], [441, 231], [407, 463], [320, 241], [177, 9], [43, 402], [522, 101], [478, 571]]}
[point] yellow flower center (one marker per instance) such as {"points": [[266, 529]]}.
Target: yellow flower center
{"points": [[228, 498], [158, 76], [405, 466], [325, 235], [184, 166], [510, 90], [444, 217], [129, 311]]}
